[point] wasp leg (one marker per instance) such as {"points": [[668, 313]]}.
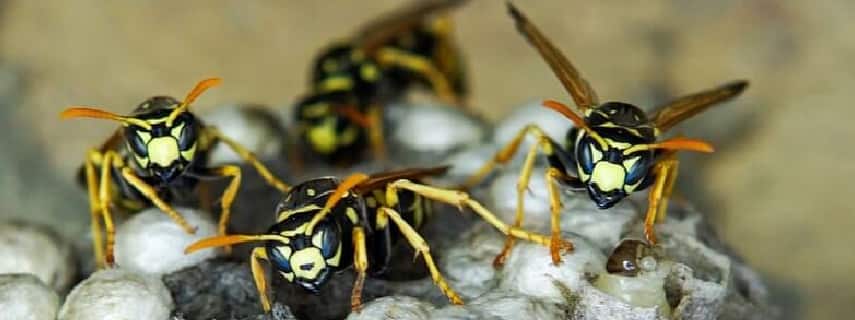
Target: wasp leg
{"points": [[503, 156], [420, 65], [259, 254], [150, 193], [228, 196], [554, 175], [420, 245], [340, 191], [360, 264], [250, 158], [92, 186], [375, 132], [665, 172], [104, 196], [205, 201], [460, 199]]}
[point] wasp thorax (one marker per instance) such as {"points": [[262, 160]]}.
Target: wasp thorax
{"points": [[163, 150]]}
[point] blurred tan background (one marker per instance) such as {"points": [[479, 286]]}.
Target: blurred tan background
{"points": [[778, 189]]}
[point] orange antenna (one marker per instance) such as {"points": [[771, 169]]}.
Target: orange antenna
{"points": [[577, 120], [222, 241], [675, 144], [195, 93], [88, 112]]}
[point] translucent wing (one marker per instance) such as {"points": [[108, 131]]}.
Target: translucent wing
{"points": [[669, 115], [377, 33], [579, 88], [379, 180]]}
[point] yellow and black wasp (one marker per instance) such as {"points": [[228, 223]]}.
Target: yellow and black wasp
{"points": [[351, 81], [159, 152], [327, 225], [612, 151]]}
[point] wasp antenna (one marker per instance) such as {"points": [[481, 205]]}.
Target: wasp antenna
{"points": [[88, 112], [191, 96], [567, 112], [222, 241], [737, 86], [684, 144]]}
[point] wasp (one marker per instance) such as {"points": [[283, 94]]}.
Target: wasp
{"points": [[159, 152], [614, 148], [352, 80], [326, 225]]}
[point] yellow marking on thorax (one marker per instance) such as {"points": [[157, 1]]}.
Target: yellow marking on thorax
{"points": [[163, 151], [608, 176], [336, 83], [323, 137], [369, 72], [316, 110]]}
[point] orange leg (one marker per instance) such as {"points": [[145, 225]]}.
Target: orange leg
{"points": [[665, 173]]}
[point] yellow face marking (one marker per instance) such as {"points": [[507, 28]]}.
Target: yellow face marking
{"points": [[163, 151], [369, 72], [142, 161], [631, 187], [608, 176], [336, 259], [628, 163], [176, 131], [190, 153], [308, 256], [144, 135], [284, 250], [310, 192], [351, 215], [323, 138], [339, 83], [318, 239], [618, 144], [287, 213], [291, 233], [596, 154], [287, 275]]}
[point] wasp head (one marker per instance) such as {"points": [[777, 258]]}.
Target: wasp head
{"points": [[609, 161], [163, 148], [301, 257], [161, 134]]}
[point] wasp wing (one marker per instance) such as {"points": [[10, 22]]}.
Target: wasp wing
{"points": [[578, 87], [380, 180], [672, 113], [379, 32]]}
